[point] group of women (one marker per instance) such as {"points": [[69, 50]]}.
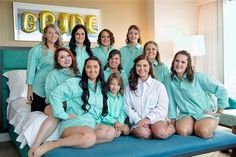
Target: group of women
{"points": [[95, 95]]}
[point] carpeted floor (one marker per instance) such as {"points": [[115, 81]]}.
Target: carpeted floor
{"points": [[8, 149]]}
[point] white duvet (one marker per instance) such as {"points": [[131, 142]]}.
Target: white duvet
{"points": [[26, 123]]}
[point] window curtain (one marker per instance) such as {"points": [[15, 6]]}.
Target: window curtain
{"points": [[210, 24]]}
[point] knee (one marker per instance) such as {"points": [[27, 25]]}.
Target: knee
{"points": [[143, 134], [160, 134], [184, 131], [88, 140], [204, 133]]}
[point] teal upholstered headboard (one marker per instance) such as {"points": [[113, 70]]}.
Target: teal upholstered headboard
{"points": [[10, 59]]}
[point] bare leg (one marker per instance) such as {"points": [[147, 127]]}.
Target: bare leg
{"points": [[46, 129], [162, 129], [143, 133], [184, 126], [81, 136], [104, 133], [205, 127]]}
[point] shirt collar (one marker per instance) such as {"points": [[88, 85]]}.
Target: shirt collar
{"points": [[184, 77], [138, 46], [155, 63], [148, 81], [110, 94]]}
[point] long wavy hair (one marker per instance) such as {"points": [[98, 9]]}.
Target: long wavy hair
{"points": [[87, 43], [73, 65], [112, 38], [133, 78], [157, 57], [127, 35], [57, 44], [84, 85], [189, 69], [112, 54]]}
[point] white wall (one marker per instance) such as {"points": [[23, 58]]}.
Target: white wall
{"points": [[229, 47], [173, 18]]}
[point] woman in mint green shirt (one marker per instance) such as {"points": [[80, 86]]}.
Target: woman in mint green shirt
{"points": [[115, 101], [132, 50], [189, 92], [105, 41], [114, 66], [79, 45], [86, 104], [65, 68], [39, 64], [151, 51]]}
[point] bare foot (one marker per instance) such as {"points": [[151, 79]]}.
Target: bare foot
{"points": [[44, 148]]}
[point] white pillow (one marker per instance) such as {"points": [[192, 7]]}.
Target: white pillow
{"points": [[16, 84]]}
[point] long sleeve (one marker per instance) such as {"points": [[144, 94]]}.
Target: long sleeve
{"points": [[129, 109], [122, 115], [161, 108], [32, 63], [213, 86], [172, 111], [50, 84], [64, 92]]}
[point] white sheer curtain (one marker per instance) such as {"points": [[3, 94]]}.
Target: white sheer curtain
{"points": [[210, 25]]}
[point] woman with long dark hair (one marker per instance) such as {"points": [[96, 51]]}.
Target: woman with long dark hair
{"points": [[86, 104], [80, 45], [146, 102]]}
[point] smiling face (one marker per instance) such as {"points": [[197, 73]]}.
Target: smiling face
{"points": [[80, 36], [64, 59], [180, 64], [133, 36], [142, 69], [150, 51], [105, 39], [51, 35], [92, 69], [114, 62], [114, 86]]}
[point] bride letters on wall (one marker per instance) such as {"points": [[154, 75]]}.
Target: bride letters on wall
{"points": [[31, 19]]}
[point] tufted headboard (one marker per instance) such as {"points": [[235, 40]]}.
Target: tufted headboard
{"points": [[10, 59]]}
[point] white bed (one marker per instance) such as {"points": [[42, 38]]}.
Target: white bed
{"points": [[25, 122]]}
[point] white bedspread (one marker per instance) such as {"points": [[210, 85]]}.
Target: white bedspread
{"points": [[26, 123]]}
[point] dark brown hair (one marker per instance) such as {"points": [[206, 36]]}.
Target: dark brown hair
{"points": [[112, 38], [133, 78]]}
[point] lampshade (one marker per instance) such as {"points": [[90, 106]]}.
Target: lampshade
{"points": [[194, 44]]}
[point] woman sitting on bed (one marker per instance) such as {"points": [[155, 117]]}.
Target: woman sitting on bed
{"points": [[86, 104], [40, 62], [189, 92], [65, 68], [146, 102]]}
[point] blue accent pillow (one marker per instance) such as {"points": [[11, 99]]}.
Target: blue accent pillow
{"points": [[232, 103]]}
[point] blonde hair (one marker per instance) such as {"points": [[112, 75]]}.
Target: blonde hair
{"points": [[58, 43]]}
